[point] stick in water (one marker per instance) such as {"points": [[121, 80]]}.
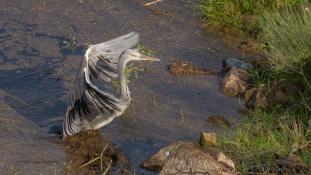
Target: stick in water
{"points": [[153, 2]]}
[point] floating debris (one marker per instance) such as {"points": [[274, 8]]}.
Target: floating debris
{"points": [[187, 68], [219, 120]]}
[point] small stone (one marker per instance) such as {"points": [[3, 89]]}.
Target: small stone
{"points": [[208, 139], [238, 63], [246, 66], [235, 82], [233, 62], [221, 157]]}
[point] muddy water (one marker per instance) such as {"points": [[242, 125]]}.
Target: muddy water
{"points": [[42, 45]]}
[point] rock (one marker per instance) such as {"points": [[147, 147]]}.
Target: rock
{"points": [[190, 158], [257, 97], [278, 93], [235, 82], [219, 120], [282, 91], [208, 139], [187, 68], [156, 162], [238, 63], [246, 66], [221, 157], [187, 159]]}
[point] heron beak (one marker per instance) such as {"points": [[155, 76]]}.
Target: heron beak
{"points": [[149, 58]]}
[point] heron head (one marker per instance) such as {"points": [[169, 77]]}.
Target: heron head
{"points": [[134, 55]]}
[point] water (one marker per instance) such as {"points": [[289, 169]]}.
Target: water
{"points": [[38, 66]]}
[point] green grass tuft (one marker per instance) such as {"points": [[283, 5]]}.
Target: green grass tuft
{"points": [[240, 14], [262, 135], [288, 36], [146, 51]]}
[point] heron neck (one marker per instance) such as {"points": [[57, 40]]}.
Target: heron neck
{"points": [[122, 78]]}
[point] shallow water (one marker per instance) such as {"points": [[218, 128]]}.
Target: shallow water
{"points": [[37, 67]]}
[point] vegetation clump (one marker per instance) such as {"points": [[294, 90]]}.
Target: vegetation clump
{"points": [[240, 14], [275, 139]]}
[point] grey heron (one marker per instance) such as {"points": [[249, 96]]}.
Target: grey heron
{"points": [[103, 62]]}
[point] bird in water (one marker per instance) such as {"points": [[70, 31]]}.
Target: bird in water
{"points": [[103, 62]]}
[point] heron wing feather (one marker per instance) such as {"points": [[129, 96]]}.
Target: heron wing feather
{"points": [[103, 58], [101, 62]]}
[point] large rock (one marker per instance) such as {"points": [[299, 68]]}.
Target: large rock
{"points": [[189, 158], [235, 82]]}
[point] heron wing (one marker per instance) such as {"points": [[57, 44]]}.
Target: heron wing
{"points": [[102, 59], [101, 62]]}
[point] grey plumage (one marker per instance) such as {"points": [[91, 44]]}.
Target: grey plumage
{"points": [[103, 62]]}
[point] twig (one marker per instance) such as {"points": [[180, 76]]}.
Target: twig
{"points": [[89, 162], [108, 168], [153, 2], [99, 157]]}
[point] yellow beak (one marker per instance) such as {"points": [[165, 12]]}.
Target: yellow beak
{"points": [[149, 58]]}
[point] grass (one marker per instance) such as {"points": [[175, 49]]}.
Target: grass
{"points": [[264, 134], [287, 34], [278, 130], [240, 14], [71, 44], [284, 28], [146, 51]]}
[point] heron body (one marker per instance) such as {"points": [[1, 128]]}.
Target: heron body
{"points": [[91, 107]]}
